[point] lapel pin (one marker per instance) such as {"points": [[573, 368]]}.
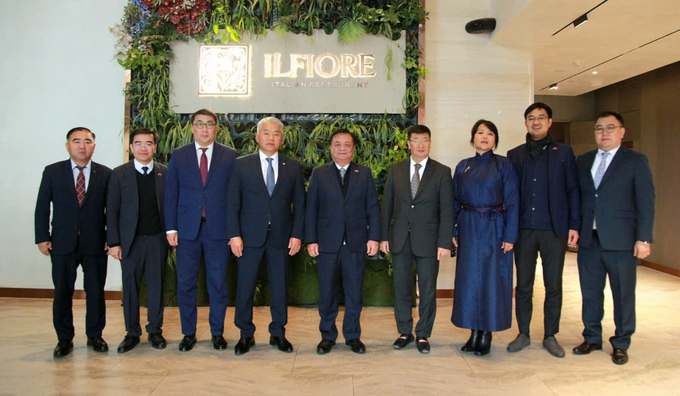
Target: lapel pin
{"points": [[159, 174], [466, 169], [356, 170], [283, 163], [555, 148]]}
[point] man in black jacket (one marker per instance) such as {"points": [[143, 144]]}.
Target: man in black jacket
{"points": [[76, 189]]}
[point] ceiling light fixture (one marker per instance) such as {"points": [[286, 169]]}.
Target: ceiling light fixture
{"points": [[553, 86], [580, 20], [594, 71]]}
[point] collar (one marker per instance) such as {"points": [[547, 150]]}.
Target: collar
{"points": [[263, 157], [423, 162], [88, 165], [612, 151], [210, 146], [139, 166], [484, 156], [346, 167]]}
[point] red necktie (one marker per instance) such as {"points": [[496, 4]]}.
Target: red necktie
{"points": [[203, 167], [80, 186]]}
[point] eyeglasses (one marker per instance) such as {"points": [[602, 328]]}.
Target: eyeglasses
{"points": [[139, 145], [418, 141], [539, 118], [201, 125], [609, 129]]}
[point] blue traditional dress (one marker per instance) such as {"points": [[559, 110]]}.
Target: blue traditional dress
{"points": [[486, 207]]}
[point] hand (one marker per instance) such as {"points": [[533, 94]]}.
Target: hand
{"points": [[573, 238], [236, 246], [294, 246], [454, 240], [116, 252], [507, 247], [385, 247], [642, 250], [172, 239], [441, 252], [372, 248], [45, 247], [313, 249]]}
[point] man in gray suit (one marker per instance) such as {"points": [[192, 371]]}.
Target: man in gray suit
{"points": [[417, 225], [617, 213], [135, 235]]}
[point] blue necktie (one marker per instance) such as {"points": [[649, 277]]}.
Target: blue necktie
{"points": [[599, 173], [270, 177]]}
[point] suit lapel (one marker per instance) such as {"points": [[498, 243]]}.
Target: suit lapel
{"points": [[131, 181], [333, 178], [427, 175], [590, 159], [67, 175], [613, 165], [283, 170], [214, 161], [352, 180], [94, 177], [159, 176]]}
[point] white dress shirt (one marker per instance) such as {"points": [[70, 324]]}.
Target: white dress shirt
{"points": [[264, 165], [86, 173], [139, 166], [346, 167], [208, 153], [420, 171]]}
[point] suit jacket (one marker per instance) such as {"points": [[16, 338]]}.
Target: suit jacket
{"points": [[122, 205], [563, 193], [251, 209], [623, 204], [185, 194], [69, 221], [429, 216], [329, 216]]}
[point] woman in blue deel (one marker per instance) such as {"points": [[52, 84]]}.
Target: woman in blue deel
{"points": [[486, 209]]}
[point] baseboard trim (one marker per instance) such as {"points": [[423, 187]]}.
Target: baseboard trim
{"points": [[660, 268], [15, 292]]}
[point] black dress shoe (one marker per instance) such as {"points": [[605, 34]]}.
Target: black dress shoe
{"points": [[282, 343], [219, 343], [187, 343], [620, 356], [243, 345], [402, 341], [473, 342], [423, 345], [484, 346], [586, 348], [324, 346], [98, 344], [157, 341], [356, 345], [63, 348], [127, 344]]}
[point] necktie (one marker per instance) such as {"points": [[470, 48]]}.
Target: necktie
{"points": [[80, 186], [203, 167], [145, 169], [342, 175], [415, 181], [270, 176], [599, 173]]}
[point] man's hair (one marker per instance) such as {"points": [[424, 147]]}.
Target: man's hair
{"points": [[205, 112], [488, 124], [614, 114], [76, 129], [418, 129], [144, 131], [340, 132], [538, 105], [269, 120]]}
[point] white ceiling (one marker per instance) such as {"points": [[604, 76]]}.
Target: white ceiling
{"points": [[617, 29]]}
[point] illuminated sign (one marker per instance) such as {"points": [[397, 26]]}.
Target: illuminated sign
{"points": [[346, 65], [224, 70]]}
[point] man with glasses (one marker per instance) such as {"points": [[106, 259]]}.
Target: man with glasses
{"points": [[549, 222], [196, 223], [417, 225], [617, 201]]}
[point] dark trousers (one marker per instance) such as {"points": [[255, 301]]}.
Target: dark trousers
{"points": [[277, 269], [330, 265], [427, 269], [594, 264], [64, 270], [552, 249], [216, 254], [147, 256]]}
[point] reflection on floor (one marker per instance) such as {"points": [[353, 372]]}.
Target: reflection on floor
{"points": [[27, 366]]}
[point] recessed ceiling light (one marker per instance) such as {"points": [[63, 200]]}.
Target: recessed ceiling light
{"points": [[595, 72]]}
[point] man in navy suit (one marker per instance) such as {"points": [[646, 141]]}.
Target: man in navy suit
{"points": [[617, 202], [76, 190], [266, 218], [136, 235], [549, 221], [342, 225], [196, 223]]}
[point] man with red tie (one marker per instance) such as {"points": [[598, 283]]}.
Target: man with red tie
{"points": [[76, 190]]}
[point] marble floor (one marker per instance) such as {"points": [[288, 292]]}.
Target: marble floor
{"points": [[28, 368]]}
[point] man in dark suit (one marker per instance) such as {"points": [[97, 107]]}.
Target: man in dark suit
{"points": [[136, 235], [266, 218], [617, 218], [342, 225], [76, 190], [417, 225], [196, 224], [549, 221]]}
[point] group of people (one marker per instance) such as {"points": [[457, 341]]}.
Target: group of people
{"points": [[207, 203]]}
